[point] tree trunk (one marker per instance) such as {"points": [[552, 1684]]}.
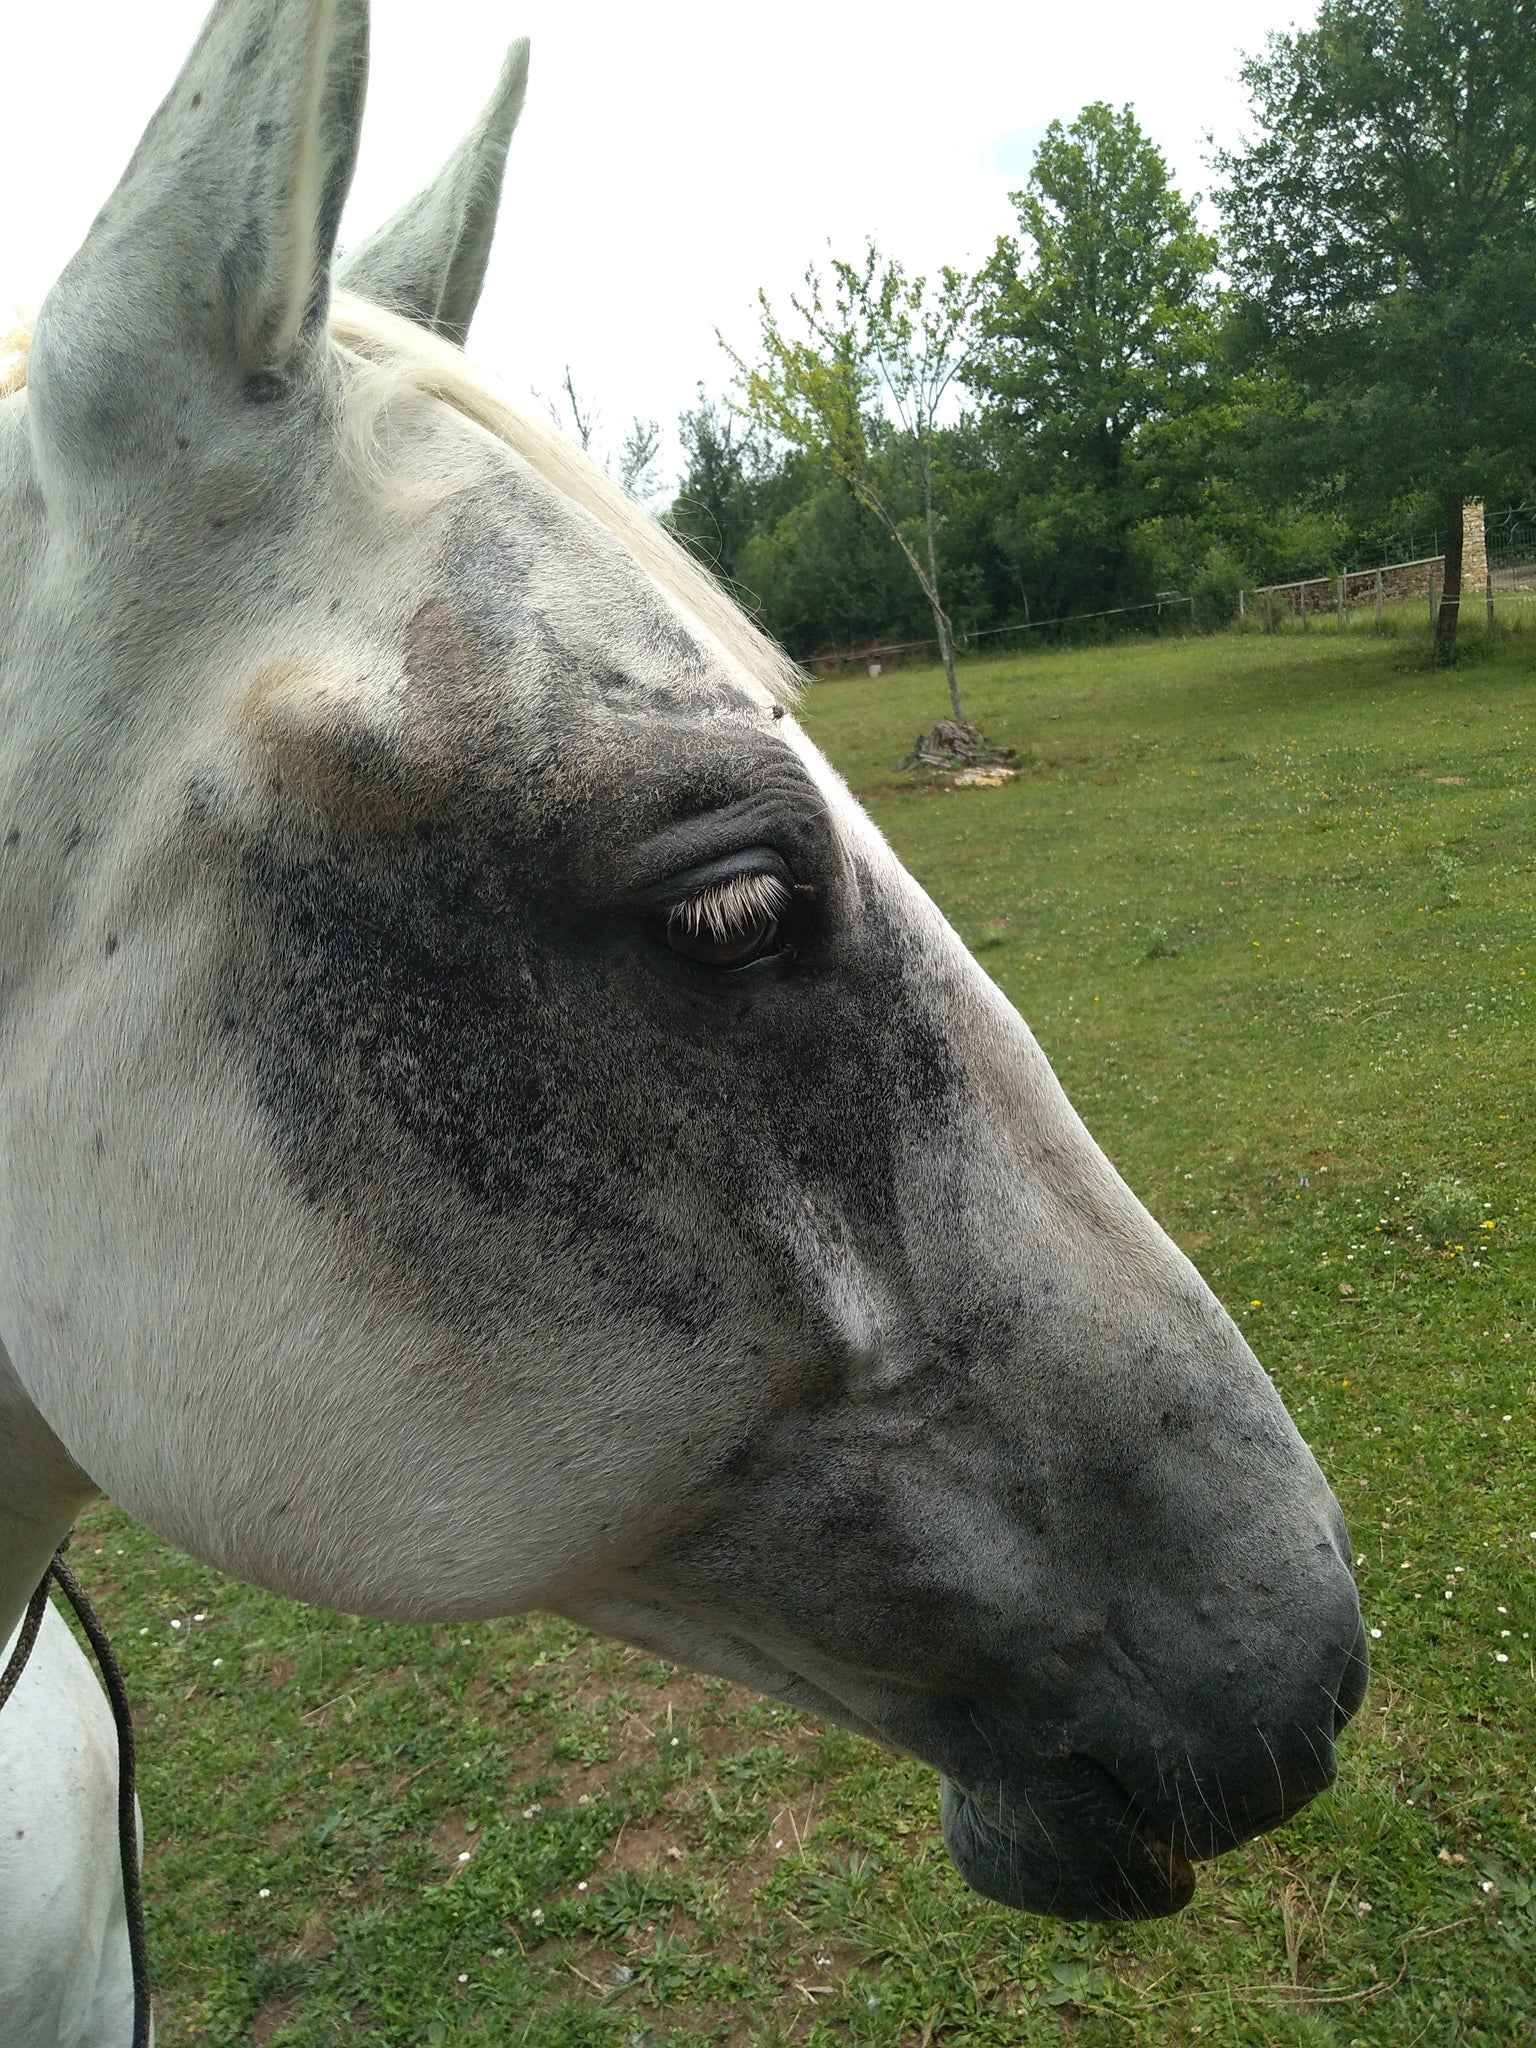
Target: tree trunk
{"points": [[947, 655], [1450, 592], [940, 616], [928, 579]]}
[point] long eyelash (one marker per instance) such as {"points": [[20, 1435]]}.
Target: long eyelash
{"points": [[727, 909]]}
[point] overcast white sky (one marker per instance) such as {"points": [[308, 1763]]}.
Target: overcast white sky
{"points": [[672, 157]]}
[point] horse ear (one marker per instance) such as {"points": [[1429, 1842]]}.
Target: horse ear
{"points": [[428, 261], [213, 255]]}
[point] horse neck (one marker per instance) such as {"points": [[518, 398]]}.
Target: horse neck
{"points": [[41, 1492]]}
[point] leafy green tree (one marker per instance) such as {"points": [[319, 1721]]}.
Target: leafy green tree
{"points": [[1382, 223], [874, 360], [820, 568], [722, 493], [1098, 319]]}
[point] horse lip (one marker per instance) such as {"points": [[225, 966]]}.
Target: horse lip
{"points": [[1181, 1874], [1102, 1859]]}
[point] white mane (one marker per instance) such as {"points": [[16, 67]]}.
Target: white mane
{"points": [[405, 357], [418, 360]]}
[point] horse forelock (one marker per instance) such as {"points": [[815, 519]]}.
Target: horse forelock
{"points": [[393, 358], [13, 360]]}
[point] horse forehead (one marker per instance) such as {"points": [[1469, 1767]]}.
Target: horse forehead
{"points": [[503, 645], [526, 596]]}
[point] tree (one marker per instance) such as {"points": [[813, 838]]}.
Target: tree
{"points": [[719, 496], [1383, 238], [634, 467], [1098, 323], [633, 464], [583, 418], [876, 359]]}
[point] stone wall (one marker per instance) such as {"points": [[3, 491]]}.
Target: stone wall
{"points": [[1396, 583]]}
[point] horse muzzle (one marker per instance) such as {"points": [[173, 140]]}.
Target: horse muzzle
{"points": [[1082, 1839]]}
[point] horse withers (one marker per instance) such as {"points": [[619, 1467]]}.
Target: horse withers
{"points": [[485, 1120]]}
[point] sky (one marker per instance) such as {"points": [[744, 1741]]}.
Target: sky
{"points": [[672, 158]]}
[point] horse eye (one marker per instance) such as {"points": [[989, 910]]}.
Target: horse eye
{"points": [[730, 923]]}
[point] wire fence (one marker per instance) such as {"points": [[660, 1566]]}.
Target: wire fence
{"points": [[1172, 603], [1493, 604], [1512, 532], [1501, 571]]}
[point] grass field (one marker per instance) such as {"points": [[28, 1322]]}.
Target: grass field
{"points": [[1268, 904]]}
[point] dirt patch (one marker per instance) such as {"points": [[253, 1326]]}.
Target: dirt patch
{"points": [[788, 1832], [454, 1842], [656, 1843], [684, 1692], [634, 1731], [601, 1971], [790, 2017], [315, 1937], [276, 2013], [791, 1826]]}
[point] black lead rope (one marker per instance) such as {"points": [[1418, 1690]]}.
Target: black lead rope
{"points": [[127, 1807]]}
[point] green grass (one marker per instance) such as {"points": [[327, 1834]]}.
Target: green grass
{"points": [[1267, 903]]}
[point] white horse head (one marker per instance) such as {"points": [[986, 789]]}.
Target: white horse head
{"points": [[485, 1121]]}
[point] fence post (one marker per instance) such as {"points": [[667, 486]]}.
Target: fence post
{"points": [[1379, 601], [1341, 602], [1269, 611], [1191, 615], [1488, 596], [1242, 609], [1306, 623]]}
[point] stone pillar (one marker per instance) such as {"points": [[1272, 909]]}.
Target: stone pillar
{"points": [[1474, 548]]}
